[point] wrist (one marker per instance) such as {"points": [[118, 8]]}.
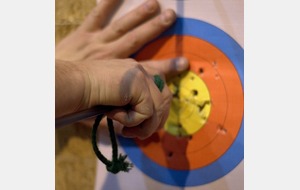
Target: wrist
{"points": [[69, 87]]}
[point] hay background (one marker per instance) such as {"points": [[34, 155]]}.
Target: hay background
{"points": [[75, 161]]}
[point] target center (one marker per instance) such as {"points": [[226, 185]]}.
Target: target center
{"points": [[190, 106]]}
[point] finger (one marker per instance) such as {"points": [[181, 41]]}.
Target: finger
{"points": [[132, 117], [129, 21], [140, 105], [118, 127], [164, 119], [99, 15], [144, 130], [147, 128], [135, 39], [168, 68]]}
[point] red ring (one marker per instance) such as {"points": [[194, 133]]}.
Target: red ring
{"points": [[224, 121]]}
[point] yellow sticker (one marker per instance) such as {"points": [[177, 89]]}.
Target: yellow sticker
{"points": [[190, 105]]}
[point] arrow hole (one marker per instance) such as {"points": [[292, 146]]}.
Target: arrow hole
{"points": [[201, 70], [222, 129], [195, 92]]}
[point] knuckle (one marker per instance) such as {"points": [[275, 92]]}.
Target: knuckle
{"points": [[148, 109], [139, 73], [118, 29]]}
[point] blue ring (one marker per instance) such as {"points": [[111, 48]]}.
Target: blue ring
{"points": [[235, 153]]}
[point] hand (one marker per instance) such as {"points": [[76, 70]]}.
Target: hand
{"points": [[118, 83], [97, 38], [166, 69]]}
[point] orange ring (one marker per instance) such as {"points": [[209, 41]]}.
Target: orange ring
{"points": [[227, 105]]}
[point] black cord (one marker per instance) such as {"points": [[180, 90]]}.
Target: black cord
{"points": [[118, 163]]}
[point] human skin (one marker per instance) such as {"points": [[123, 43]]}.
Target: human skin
{"points": [[117, 82], [97, 39]]}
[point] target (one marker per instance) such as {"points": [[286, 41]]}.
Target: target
{"points": [[203, 138]]}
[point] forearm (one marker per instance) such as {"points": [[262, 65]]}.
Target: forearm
{"points": [[69, 87]]}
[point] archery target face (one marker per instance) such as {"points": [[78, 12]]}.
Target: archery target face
{"points": [[216, 146], [202, 147]]}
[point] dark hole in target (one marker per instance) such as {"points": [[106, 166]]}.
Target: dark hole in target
{"points": [[201, 70], [170, 154], [195, 92], [222, 129]]}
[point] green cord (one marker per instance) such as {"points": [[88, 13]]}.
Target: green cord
{"points": [[118, 163]]}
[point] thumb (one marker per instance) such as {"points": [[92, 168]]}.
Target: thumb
{"points": [[169, 68]]}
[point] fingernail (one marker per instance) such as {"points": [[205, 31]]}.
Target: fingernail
{"points": [[182, 64], [150, 5], [167, 17]]}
